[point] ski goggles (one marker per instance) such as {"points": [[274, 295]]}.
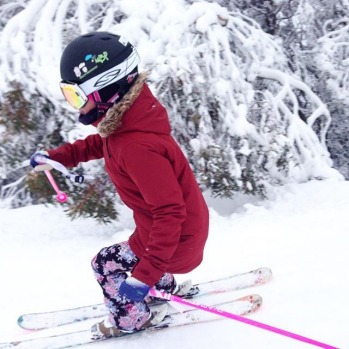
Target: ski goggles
{"points": [[73, 94]]}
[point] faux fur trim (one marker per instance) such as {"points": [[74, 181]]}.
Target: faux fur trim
{"points": [[113, 118]]}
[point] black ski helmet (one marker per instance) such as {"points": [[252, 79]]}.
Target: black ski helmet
{"points": [[100, 61]]}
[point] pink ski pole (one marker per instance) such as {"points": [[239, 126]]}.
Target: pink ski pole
{"points": [[61, 196], [170, 297]]}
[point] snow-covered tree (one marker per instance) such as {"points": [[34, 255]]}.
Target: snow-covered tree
{"points": [[240, 112], [314, 40], [332, 60]]}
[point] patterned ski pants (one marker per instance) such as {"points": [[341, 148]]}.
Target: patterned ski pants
{"points": [[110, 267]]}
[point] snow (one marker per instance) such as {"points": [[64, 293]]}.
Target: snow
{"points": [[300, 233]]}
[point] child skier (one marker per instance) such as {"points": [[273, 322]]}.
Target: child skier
{"points": [[100, 78]]}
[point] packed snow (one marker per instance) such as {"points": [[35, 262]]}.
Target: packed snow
{"points": [[300, 233]]}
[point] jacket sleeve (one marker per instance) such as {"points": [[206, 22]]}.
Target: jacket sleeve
{"points": [[71, 154], [153, 174]]}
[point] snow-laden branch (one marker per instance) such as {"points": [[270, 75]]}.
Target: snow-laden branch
{"points": [[31, 43], [14, 194], [333, 58], [290, 84]]}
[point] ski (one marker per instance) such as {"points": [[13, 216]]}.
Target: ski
{"points": [[38, 321], [241, 306]]}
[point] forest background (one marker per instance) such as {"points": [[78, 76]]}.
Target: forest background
{"points": [[257, 91]]}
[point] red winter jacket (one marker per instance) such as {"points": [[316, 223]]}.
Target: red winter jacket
{"points": [[154, 179]]}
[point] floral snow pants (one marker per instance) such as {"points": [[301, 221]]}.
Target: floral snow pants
{"points": [[110, 267]]}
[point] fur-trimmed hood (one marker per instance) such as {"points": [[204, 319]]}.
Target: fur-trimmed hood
{"points": [[138, 110]]}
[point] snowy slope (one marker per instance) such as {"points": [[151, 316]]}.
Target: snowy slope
{"points": [[301, 234]]}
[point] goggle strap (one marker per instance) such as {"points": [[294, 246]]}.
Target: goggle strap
{"points": [[95, 96]]}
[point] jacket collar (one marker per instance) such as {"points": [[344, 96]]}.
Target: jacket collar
{"points": [[113, 118]]}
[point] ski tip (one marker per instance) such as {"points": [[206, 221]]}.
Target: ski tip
{"points": [[264, 274], [255, 301], [252, 298], [20, 321], [248, 304], [23, 322]]}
